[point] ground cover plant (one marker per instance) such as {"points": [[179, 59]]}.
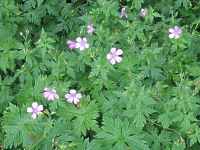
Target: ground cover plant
{"points": [[100, 74]]}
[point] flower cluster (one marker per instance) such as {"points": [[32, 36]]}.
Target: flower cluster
{"points": [[50, 94], [113, 57]]}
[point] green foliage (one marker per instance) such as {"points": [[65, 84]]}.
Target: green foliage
{"points": [[149, 101]]}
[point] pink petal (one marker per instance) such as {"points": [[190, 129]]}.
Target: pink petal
{"points": [[176, 36], [171, 30], [119, 52], [70, 100], [86, 45], [67, 96], [113, 50], [82, 48], [46, 89], [56, 96], [40, 108], [78, 39], [108, 56], [72, 91], [51, 97], [78, 95], [29, 110], [171, 36], [112, 61], [76, 101], [46, 94], [84, 39], [77, 45], [118, 59], [34, 104], [34, 116]]}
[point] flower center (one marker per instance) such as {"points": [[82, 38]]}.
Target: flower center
{"points": [[82, 43], [34, 110]]}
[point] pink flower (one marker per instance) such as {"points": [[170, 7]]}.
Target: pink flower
{"points": [[143, 12], [175, 32], [123, 13], [114, 56], [90, 28], [50, 94], [35, 110], [81, 43], [73, 96], [71, 44]]}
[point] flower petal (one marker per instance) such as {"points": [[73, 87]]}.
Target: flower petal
{"points": [[78, 95], [109, 56], [70, 99], [112, 61], [72, 91], [34, 104], [40, 108], [119, 52], [86, 45], [118, 59], [78, 39], [171, 30], [76, 101], [34, 116], [113, 50], [29, 110], [171, 36]]}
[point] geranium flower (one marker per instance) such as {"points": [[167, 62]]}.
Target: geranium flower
{"points": [[90, 28], [143, 12], [73, 96], [81, 43], [50, 94], [175, 32], [71, 44], [123, 13], [35, 110], [114, 56]]}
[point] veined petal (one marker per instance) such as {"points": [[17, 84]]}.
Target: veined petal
{"points": [[78, 95], [84, 39], [177, 36], [118, 59], [113, 50], [29, 110], [81, 48], [86, 45], [77, 45], [78, 39], [112, 61], [34, 116], [171, 30], [70, 99], [119, 52], [108, 56], [34, 104], [171, 36], [76, 101], [40, 108], [72, 91]]}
